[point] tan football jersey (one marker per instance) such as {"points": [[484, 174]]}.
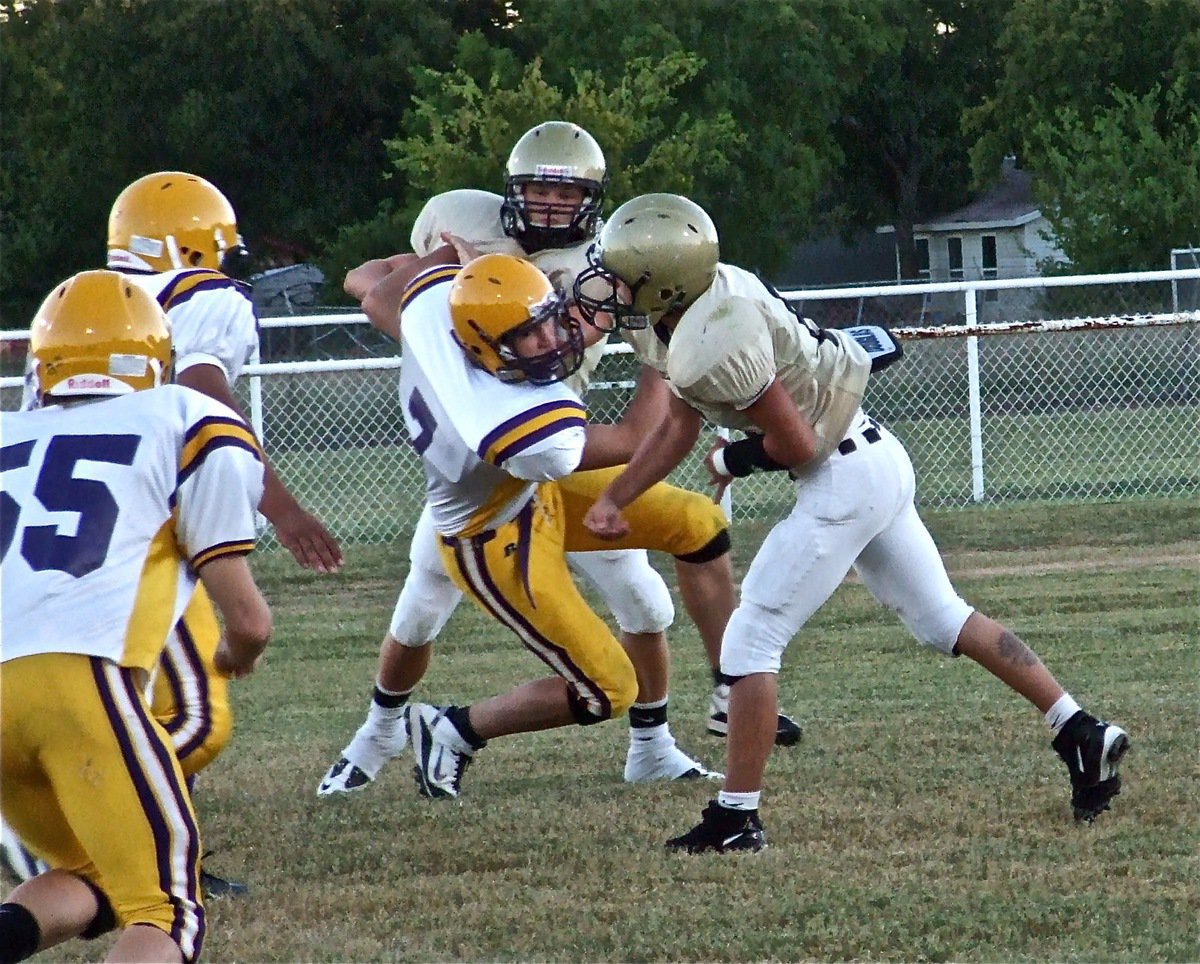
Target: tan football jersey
{"points": [[737, 337], [475, 217]]}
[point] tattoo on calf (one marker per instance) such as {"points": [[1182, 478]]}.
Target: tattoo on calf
{"points": [[1014, 649]]}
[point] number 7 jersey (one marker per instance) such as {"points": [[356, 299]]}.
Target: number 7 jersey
{"points": [[107, 509], [484, 444]]}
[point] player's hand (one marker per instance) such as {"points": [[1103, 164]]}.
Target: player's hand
{"points": [[466, 250], [230, 665], [309, 542], [719, 479], [604, 520]]}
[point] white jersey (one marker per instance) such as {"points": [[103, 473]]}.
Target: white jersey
{"points": [[484, 444], [738, 337], [212, 317], [475, 217], [110, 507]]}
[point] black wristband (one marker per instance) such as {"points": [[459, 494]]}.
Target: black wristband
{"points": [[748, 454]]}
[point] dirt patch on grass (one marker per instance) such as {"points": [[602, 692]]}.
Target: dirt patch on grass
{"points": [[1177, 555]]}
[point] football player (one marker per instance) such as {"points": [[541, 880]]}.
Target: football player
{"points": [[487, 350], [118, 491], [735, 354], [555, 182]]}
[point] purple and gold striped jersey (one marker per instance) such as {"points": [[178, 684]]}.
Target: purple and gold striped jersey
{"points": [[484, 444], [109, 508], [212, 317]]}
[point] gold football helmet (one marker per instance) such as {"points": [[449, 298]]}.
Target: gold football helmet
{"points": [[97, 333], [496, 297], [555, 152], [662, 247], [172, 219]]}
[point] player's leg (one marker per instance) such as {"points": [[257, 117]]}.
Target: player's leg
{"points": [[693, 530], [799, 565], [903, 568], [640, 602], [517, 574], [96, 789], [190, 699], [426, 602]]}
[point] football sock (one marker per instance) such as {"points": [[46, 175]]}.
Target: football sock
{"points": [[739, 801], [389, 699], [460, 716], [19, 933], [1063, 709], [648, 720]]}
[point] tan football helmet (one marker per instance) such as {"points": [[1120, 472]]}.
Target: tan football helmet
{"points": [[662, 248], [554, 152], [97, 333], [494, 298], [172, 219]]}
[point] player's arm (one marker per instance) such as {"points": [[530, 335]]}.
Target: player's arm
{"points": [[300, 532], [609, 445], [788, 439], [659, 452], [359, 281], [382, 302], [245, 616]]}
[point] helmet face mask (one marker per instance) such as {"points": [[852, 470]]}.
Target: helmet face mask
{"points": [[98, 334], [553, 153], [497, 299], [172, 219], [656, 254]]}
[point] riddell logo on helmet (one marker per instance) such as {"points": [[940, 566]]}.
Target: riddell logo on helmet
{"points": [[553, 170], [93, 382]]}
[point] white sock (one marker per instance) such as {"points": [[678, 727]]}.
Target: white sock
{"points": [[651, 734], [739, 801], [1063, 709]]}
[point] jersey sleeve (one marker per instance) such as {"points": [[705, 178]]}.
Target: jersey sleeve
{"points": [[727, 358], [550, 460], [472, 215], [543, 442], [219, 484], [212, 322]]}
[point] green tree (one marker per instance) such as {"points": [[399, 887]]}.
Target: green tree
{"points": [[460, 130], [905, 156], [1092, 92], [283, 104], [1099, 179], [781, 68]]}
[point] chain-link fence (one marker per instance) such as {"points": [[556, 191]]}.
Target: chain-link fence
{"points": [[1103, 407]]}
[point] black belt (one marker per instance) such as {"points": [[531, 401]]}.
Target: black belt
{"points": [[870, 435]]}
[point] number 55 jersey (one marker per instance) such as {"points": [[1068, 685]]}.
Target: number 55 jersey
{"points": [[107, 511]]}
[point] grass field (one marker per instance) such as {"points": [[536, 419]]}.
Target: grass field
{"points": [[923, 817]]}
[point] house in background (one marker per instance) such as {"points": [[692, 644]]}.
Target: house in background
{"points": [[1000, 234]]}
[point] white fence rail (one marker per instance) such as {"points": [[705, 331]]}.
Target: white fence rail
{"points": [[1072, 389]]}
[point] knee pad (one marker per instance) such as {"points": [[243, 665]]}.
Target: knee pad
{"points": [[579, 709], [938, 627], [105, 919], [424, 606], [633, 590], [754, 641], [716, 547]]}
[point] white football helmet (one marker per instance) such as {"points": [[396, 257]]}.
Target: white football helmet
{"points": [[560, 153], [662, 248]]}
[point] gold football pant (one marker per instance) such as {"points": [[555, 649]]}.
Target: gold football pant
{"points": [[190, 698], [517, 573], [90, 783]]}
